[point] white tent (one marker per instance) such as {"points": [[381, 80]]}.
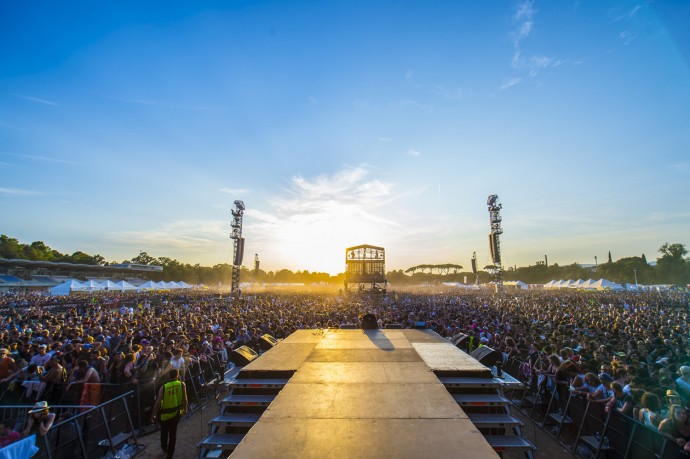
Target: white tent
{"points": [[603, 284], [92, 286], [549, 284], [577, 283], [183, 284], [170, 285], [67, 287], [124, 286], [148, 286], [587, 284], [108, 285], [517, 284]]}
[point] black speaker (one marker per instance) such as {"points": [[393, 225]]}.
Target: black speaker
{"points": [[488, 357], [266, 342], [369, 322], [348, 326], [461, 340], [421, 325], [243, 355], [394, 326]]}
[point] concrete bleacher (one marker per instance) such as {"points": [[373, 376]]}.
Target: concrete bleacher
{"points": [[10, 279]]}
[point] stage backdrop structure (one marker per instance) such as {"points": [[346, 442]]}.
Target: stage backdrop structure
{"points": [[365, 266]]}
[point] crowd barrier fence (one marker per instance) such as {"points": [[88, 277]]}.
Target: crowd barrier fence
{"points": [[204, 381], [577, 422], [84, 432]]}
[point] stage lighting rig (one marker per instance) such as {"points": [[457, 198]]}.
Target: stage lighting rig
{"points": [[494, 241], [238, 246]]}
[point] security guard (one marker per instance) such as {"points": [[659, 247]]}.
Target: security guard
{"points": [[171, 404]]}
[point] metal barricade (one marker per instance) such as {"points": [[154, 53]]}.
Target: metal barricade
{"points": [[85, 432]]}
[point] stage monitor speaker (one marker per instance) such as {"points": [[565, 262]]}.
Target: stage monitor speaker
{"points": [[461, 340], [266, 342], [394, 326], [243, 355], [421, 325], [348, 326], [488, 357], [369, 322]]}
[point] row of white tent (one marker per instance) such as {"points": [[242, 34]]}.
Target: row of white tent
{"points": [[590, 284], [72, 285]]}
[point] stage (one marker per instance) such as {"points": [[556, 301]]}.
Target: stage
{"points": [[364, 393]]}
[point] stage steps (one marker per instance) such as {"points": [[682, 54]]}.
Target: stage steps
{"points": [[484, 420], [482, 399], [249, 395]]}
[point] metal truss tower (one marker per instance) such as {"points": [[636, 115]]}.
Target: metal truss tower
{"points": [[238, 246], [494, 240]]}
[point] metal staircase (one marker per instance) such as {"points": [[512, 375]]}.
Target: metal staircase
{"points": [[250, 393], [482, 399]]}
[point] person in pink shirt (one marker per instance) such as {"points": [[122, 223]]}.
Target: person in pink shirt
{"points": [[7, 433]]}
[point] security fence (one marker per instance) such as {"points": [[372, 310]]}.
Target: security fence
{"points": [[583, 426], [204, 380], [84, 432]]}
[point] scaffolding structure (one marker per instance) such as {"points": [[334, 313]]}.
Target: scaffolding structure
{"points": [[365, 267], [238, 246], [494, 239]]}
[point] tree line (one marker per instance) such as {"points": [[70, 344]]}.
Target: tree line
{"points": [[672, 267]]}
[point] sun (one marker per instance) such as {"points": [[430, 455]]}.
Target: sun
{"points": [[317, 241]]}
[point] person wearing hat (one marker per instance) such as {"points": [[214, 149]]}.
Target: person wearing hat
{"points": [[683, 384], [171, 405], [676, 426], [39, 422]]}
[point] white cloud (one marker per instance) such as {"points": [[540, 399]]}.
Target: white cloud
{"points": [[525, 18], [427, 109], [12, 126], [627, 37], [413, 152], [384, 139], [18, 192], [409, 74], [47, 159], [525, 25], [36, 99], [446, 93], [682, 167], [365, 104], [628, 14], [315, 218], [156, 103], [234, 190], [510, 83], [199, 235]]}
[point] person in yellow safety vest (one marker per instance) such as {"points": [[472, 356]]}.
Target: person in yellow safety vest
{"points": [[170, 405]]}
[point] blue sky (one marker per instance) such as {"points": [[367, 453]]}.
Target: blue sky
{"points": [[128, 127]]}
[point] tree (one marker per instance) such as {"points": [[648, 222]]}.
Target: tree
{"points": [[610, 261], [10, 247], [143, 258], [672, 265], [674, 252]]}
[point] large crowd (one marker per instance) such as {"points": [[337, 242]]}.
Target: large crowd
{"points": [[629, 351]]}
